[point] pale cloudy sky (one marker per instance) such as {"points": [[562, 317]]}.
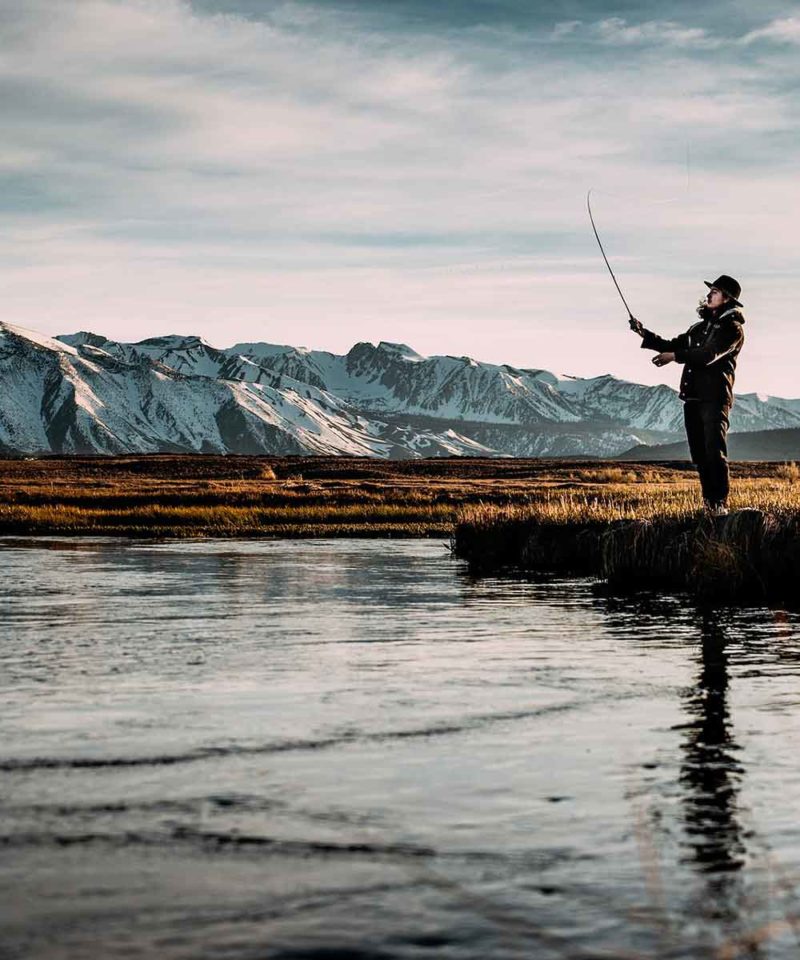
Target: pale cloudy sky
{"points": [[323, 173]]}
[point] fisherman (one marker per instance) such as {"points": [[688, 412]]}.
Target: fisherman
{"points": [[708, 352]]}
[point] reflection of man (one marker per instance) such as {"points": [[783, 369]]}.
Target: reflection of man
{"points": [[708, 352], [710, 770], [711, 777]]}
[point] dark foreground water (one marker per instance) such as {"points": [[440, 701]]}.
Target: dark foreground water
{"points": [[341, 749]]}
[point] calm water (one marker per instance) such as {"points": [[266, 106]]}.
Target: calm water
{"points": [[349, 749]]}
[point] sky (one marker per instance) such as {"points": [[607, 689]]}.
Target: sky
{"points": [[324, 173]]}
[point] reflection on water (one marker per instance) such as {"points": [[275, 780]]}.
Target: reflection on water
{"points": [[337, 748], [710, 770], [711, 776]]}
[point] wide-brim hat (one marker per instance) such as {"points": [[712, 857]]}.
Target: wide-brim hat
{"points": [[730, 287]]}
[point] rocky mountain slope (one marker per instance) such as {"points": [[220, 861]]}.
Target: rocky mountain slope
{"points": [[84, 393]]}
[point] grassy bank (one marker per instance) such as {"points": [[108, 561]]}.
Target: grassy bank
{"points": [[651, 539], [208, 496]]}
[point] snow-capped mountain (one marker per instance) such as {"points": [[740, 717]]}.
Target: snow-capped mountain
{"points": [[85, 393]]}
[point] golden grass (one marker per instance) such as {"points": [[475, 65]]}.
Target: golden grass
{"points": [[180, 496], [630, 501]]}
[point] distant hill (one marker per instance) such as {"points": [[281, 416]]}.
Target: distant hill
{"points": [[751, 445]]}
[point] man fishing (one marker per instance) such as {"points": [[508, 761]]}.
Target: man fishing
{"points": [[708, 352]]}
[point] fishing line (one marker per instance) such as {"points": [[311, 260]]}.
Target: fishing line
{"points": [[600, 244]]}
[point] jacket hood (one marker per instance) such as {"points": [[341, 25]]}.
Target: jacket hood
{"points": [[732, 313]]}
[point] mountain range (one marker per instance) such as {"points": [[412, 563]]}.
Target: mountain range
{"points": [[85, 393]]}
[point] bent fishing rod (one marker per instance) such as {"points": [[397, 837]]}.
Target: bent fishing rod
{"points": [[631, 317]]}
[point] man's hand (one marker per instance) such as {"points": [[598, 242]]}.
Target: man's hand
{"points": [[662, 359], [636, 326]]}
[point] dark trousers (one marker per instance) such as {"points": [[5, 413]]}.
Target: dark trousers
{"points": [[707, 433]]}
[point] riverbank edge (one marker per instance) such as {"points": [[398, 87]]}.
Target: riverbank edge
{"points": [[316, 531], [748, 556]]}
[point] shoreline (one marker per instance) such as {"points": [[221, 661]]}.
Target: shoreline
{"points": [[747, 557]]}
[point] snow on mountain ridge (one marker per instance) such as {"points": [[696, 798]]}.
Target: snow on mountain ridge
{"points": [[73, 404], [402, 350], [50, 343], [393, 377], [82, 392]]}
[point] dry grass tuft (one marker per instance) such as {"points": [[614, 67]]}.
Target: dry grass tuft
{"points": [[788, 471]]}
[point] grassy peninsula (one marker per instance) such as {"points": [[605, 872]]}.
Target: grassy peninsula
{"points": [[651, 534]]}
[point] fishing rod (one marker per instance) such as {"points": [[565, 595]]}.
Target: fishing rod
{"points": [[631, 317]]}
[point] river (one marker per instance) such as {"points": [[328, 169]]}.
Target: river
{"points": [[351, 749]]}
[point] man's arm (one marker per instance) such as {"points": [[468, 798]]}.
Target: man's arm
{"points": [[725, 340], [652, 341]]}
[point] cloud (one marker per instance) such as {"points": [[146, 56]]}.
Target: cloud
{"points": [[165, 164], [616, 31], [785, 30], [565, 28]]}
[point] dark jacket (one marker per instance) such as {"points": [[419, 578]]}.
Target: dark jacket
{"points": [[708, 352]]}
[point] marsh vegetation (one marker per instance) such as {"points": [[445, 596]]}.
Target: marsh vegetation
{"points": [[651, 533], [209, 496]]}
